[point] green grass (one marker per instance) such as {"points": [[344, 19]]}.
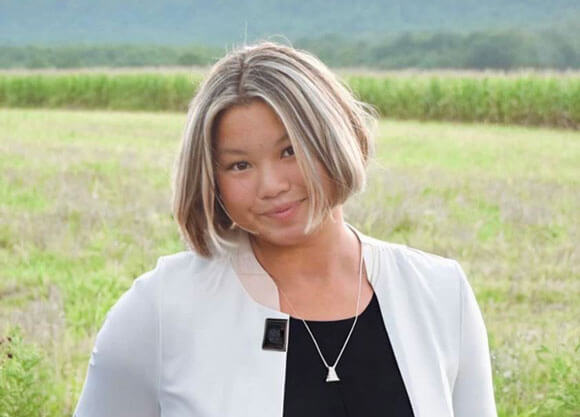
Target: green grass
{"points": [[85, 209], [100, 90], [526, 98]]}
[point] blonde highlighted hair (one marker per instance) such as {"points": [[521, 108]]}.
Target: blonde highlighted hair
{"points": [[323, 119]]}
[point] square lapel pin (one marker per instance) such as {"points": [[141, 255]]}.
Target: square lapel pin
{"points": [[275, 334]]}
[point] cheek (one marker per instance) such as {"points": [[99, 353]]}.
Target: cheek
{"points": [[234, 193], [295, 175]]}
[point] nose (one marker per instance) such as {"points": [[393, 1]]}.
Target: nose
{"points": [[272, 182]]}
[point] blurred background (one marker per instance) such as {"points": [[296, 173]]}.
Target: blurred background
{"points": [[477, 159], [378, 34]]}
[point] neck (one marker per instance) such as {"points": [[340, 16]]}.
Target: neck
{"points": [[329, 252]]}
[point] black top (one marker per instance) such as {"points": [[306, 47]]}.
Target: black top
{"points": [[370, 382]]}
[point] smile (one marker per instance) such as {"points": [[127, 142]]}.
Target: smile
{"points": [[284, 212]]}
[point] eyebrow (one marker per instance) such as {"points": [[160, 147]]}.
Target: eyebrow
{"points": [[232, 151]]}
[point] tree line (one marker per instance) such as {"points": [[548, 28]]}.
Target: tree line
{"points": [[502, 50]]}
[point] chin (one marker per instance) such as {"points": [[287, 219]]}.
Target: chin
{"points": [[282, 236]]}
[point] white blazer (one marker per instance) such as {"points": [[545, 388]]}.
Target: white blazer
{"points": [[186, 338]]}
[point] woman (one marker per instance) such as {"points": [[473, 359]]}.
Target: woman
{"points": [[279, 307]]}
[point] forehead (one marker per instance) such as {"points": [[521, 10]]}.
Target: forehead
{"points": [[247, 126]]}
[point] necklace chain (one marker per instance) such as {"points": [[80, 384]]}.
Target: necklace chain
{"points": [[332, 369]]}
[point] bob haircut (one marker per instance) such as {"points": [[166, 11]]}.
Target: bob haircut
{"points": [[324, 122]]}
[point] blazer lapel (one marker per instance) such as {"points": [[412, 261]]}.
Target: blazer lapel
{"points": [[409, 332]]}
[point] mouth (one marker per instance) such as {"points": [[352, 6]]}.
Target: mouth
{"points": [[284, 211]]}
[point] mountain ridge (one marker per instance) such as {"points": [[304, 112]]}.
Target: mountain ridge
{"points": [[228, 22]]}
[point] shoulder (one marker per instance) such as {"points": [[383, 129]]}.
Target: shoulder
{"points": [[142, 299], [426, 277], [411, 259], [185, 271], [183, 260], [136, 313]]}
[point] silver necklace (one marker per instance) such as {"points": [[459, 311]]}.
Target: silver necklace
{"points": [[332, 376]]}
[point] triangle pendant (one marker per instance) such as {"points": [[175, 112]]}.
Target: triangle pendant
{"points": [[332, 376]]}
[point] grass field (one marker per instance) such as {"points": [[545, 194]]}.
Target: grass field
{"points": [[84, 209], [524, 98]]}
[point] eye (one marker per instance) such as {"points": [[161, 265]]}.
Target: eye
{"points": [[289, 149], [238, 166]]}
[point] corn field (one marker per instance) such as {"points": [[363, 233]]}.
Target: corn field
{"points": [[526, 99]]}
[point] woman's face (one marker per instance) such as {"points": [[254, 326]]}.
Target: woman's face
{"points": [[260, 182]]}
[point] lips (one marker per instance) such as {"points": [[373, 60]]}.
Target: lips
{"points": [[282, 208]]}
